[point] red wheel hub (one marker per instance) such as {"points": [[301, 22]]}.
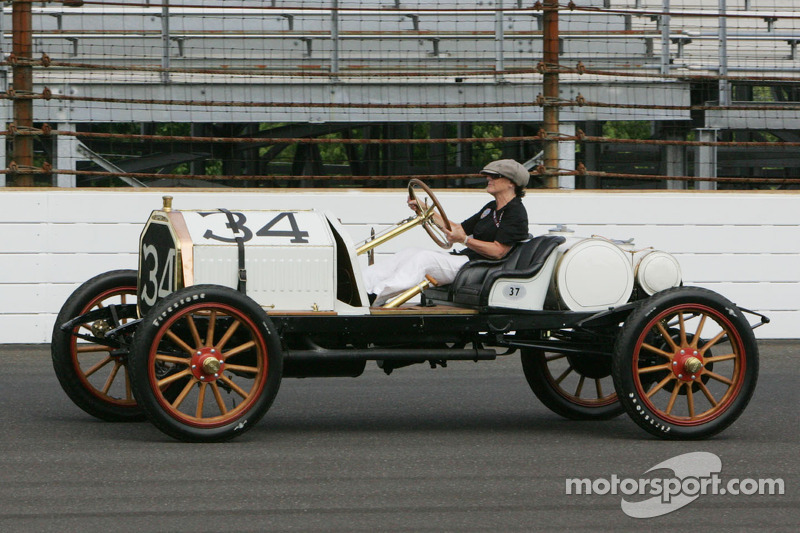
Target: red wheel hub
{"points": [[207, 364], [687, 364]]}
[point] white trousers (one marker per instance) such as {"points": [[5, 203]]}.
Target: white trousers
{"points": [[392, 275]]}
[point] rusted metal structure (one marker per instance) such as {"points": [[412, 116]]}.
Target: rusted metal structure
{"points": [[376, 72], [550, 89], [22, 50]]}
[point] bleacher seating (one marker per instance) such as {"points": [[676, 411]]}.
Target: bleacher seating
{"points": [[370, 45]]}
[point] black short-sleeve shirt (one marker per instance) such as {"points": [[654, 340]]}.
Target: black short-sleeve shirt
{"points": [[507, 225]]}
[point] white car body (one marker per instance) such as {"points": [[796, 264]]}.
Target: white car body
{"points": [[297, 261]]}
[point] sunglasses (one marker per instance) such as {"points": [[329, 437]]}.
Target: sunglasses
{"points": [[492, 175]]}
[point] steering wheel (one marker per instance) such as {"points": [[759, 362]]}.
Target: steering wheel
{"points": [[427, 211]]}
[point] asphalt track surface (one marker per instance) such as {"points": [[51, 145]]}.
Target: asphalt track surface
{"points": [[465, 448]]}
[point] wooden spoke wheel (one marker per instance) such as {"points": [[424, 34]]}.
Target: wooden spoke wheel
{"points": [[686, 363], [95, 376], [206, 364], [578, 387], [429, 204]]}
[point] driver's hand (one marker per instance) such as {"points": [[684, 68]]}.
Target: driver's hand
{"points": [[413, 205], [455, 235]]}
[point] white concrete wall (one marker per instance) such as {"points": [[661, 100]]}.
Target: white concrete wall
{"points": [[744, 245]]}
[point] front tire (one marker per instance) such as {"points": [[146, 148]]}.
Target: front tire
{"points": [[220, 348], [94, 376], [685, 364]]}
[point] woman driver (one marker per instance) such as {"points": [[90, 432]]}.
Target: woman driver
{"points": [[488, 234]]}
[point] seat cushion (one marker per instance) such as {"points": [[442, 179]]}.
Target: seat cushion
{"points": [[475, 279]]}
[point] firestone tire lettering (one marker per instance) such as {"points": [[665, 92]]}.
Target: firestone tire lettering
{"points": [[161, 319], [626, 372]]}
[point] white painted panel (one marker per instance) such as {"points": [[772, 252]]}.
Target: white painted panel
{"points": [[674, 207], [60, 268], [22, 206], [783, 325], [70, 238], [698, 239], [388, 206], [23, 268], [740, 267], [95, 206], [26, 329], [679, 240], [25, 298], [56, 294], [745, 245], [580, 207], [77, 268], [19, 238], [134, 206], [765, 297], [93, 238], [22, 298]]}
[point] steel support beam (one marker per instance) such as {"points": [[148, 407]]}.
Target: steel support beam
{"points": [[674, 161], [705, 164], [499, 43], [65, 156], [414, 93], [665, 22], [165, 42], [3, 163], [567, 154], [724, 84], [335, 42]]}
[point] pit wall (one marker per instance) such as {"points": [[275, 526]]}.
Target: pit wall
{"points": [[744, 245]]}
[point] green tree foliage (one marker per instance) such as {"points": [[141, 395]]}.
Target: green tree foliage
{"points": [[628, 129]]}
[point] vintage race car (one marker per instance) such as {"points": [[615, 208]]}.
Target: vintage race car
{"points": [[227, 303]]}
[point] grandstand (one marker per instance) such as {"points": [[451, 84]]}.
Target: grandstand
{"points": [[213, 88]]}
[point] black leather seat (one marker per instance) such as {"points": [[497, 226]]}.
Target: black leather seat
{"points": [[474, 281]]}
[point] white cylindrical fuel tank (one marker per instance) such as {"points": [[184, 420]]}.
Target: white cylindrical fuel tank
{"points": [[593, 274], [657, 271]]}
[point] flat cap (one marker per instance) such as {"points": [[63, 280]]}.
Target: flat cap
{"points": [[508, 168]]}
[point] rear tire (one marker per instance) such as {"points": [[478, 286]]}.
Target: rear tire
{"points": [[668, 378], [220, 348], [94, 377], [583, 400]]}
